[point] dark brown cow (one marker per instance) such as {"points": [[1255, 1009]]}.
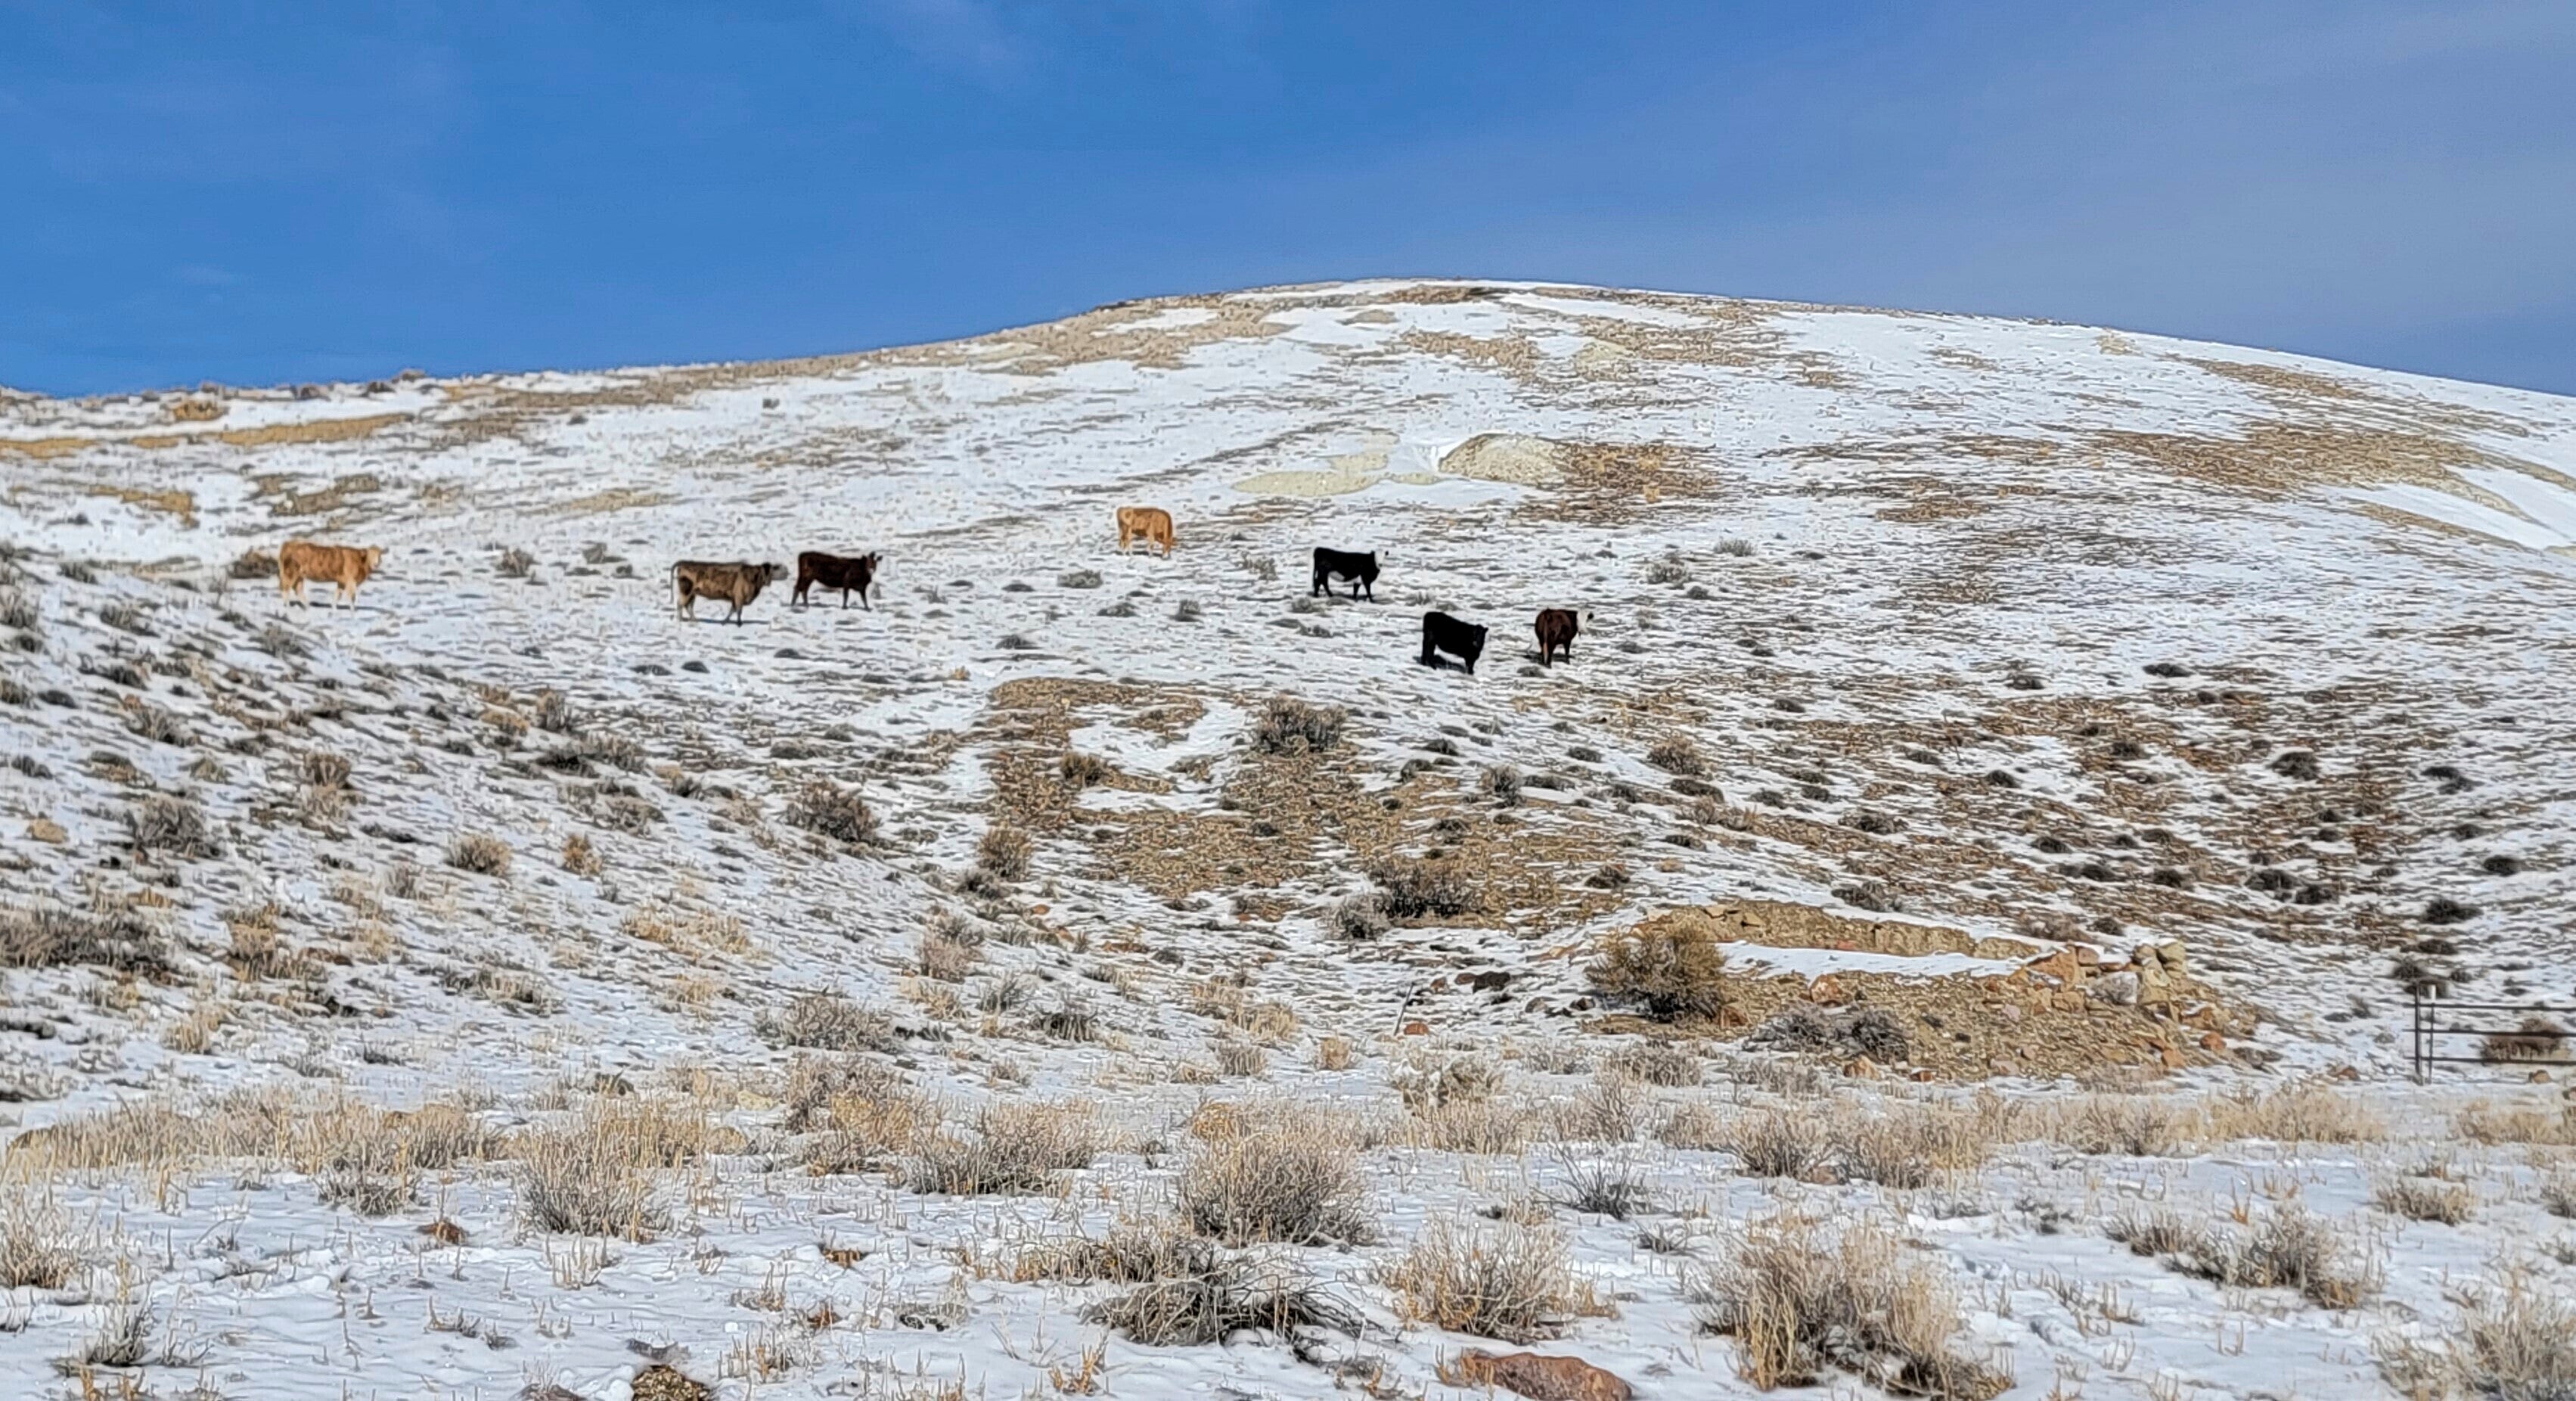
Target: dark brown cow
{"points": [[843, 572], [1458, 638], [737, 583], [1556, 630]]}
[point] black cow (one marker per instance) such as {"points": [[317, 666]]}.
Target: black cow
{"points": [[1361, 570], [843, 572], [1442, 633]]}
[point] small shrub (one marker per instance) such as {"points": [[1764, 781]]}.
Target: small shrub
{"points": [[2445, 910], [1361, 916], [1504, 782], [1016, 642], [1078, 579], [2426, 1199], [1187, 611], [1802, 1303], [830, 1021], [2133, 1126], [2297, 764], [1656, 1063], [157, 725], [1213, 1297], [827, 809], [1016, 1147], [1502, 1281], [480, 853], [1670, 569], [1413, 889], [1287, 1181], [2286, 1249], [589, 1177], [1675, 970], [1678, 755], [580, 857], [2513, 1340], [1080, 770], [252, 564], [1004, 850], [33, 1253], [165, 823], [515, 563], [1603, 1187], [1291, 726]]}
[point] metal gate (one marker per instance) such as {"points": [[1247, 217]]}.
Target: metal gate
{"points": [[2455, 1033]]}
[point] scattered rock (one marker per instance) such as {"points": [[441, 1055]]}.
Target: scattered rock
{"points": [[662, 1383], [1538, 1378]]}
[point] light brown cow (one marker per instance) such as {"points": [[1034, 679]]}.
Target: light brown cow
{"points": [[1152, 524], [737, 583], [346, 566]]}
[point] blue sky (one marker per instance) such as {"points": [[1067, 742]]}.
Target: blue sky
{"points": [[283, 191]]}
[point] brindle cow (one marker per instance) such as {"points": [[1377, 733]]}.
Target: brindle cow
{"points": [[737, 583], [345, 566], [1151, 524], [843, 572], [1556, 630]]}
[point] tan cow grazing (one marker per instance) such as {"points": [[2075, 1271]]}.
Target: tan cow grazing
{"points": [[1152, 524], [737, 583], [345, 566]]}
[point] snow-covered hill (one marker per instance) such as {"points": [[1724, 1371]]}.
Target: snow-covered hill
{"points": [[1939, 665]]}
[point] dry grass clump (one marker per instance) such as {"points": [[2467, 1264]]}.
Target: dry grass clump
{"points": [[580, 858], [2536, 1039], [830, 1021], [1218, 1296], [1291, 726], [1678, 755], [592, 1176], [2133, 1126], [1294, 1178], [1016, 1147], [34, 1253], [176, 825], [45, 935], [826, 808], [480, 853], [1360, 917], [1336, 1053], [858, 1113], [1674, 971], [252, 563], [1264, 1020], [1131, 1252], [1802, 1302], [1080, 770], [2558, 1195], [1895, 1145], [1454, 1108], [1498, 1281], [2420, 1198], [2542, 1125], [2307, 1112], [2286, 1249], [1408, 889], [2514, 1340], [1858, 1031], [1656, 1063], [1004, 851]]}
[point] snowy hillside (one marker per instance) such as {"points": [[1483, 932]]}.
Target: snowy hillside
{"points": [[2075, 745]]}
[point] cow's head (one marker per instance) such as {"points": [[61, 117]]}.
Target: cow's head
{"points": [[873, 558], [374, 555], [772, 573]]}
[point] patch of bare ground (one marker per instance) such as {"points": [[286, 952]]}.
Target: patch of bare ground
{"points": [[1281, 816], [1516, 356], [2274, 457], [2065, 1013]]}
